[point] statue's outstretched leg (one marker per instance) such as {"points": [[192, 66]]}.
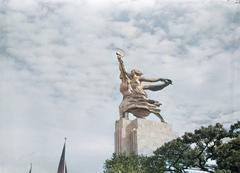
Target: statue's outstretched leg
{"points": [[157, 113], [161, 118]]}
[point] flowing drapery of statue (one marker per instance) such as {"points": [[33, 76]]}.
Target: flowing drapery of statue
{"points": [[135, 99]]}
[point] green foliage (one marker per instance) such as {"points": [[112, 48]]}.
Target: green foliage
{"points": [[192, 149], [222, 171], [235, 130], [200, 149], [173, 156], [228, 154], [125, 164]]}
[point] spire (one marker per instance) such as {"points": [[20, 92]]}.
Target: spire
{"points": [[62, 168], [30, 171], [65, 167]]}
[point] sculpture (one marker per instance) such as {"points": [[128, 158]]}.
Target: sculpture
{"points": [[135, 99]]}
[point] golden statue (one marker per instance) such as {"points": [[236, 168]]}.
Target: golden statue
{"points": [[135, 99]]}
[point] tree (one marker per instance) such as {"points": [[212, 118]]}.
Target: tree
{"points": [[192, 150], [228, 154], [213, 149], [125, 164]]}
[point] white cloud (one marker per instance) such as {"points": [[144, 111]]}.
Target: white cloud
{"points": [[59, 75]]}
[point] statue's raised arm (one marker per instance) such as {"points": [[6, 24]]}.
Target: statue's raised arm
{"points": [[122, 68]]}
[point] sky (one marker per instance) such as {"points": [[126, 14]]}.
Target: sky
{"points": [[59, 74]]}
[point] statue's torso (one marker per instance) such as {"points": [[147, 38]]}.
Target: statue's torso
{"points": [[137, 87], [125, 88]]}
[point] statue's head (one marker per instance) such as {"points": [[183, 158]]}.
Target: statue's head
{"points": [[136, 72]]}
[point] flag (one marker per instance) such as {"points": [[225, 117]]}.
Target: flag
{"points": [[62, 168]]}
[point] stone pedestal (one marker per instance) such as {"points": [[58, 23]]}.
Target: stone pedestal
{"points": [[141, 136]]}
